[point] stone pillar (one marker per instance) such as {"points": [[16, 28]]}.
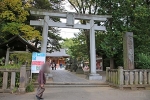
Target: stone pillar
{"points": [[45, 35], [128, 51], [5, 80], [27, 50], [13, 77], [107, 74], [7, 56], [93, 75], [120, 76], [136, 78], [22, 85]]}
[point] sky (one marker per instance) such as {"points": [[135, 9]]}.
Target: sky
{"points": [[66, 32]]}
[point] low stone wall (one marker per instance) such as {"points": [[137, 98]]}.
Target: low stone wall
{"points": [[137, 78], [9, 79]]}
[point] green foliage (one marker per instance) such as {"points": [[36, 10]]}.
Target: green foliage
{"points": [[22, 57], [17, 79], [54, 32], [12, 21], [30, 87], [15, 66], [12, 10], [14, 90], [143, 61], [79, 48], [127, 16], [66, 44]]}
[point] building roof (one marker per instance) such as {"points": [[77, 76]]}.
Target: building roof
{"points": [[18, 43], [61, 53]]}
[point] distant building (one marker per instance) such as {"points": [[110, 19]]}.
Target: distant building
{"points": [[57, 56]]}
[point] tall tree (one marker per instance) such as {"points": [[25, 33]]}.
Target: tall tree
{"points": [[66, 44], [53, 34], [85, 7], [12, 21], [128, 15]]}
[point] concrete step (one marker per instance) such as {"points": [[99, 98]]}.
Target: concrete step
{"points": [[65, 84], [49, 86]]}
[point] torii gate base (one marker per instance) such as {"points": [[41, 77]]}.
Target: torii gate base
{"points": [[70, 24]]}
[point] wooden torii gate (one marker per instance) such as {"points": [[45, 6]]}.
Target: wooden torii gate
{"points": [[70, 18]]}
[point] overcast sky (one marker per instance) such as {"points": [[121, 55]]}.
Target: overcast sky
{"points": [[66, 32]]}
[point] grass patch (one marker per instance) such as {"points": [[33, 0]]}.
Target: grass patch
{"points": [[15, 66]]}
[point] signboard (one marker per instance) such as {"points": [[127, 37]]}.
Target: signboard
{"points": [[38, 59]]}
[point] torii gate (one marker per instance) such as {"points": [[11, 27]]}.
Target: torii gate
{"points": [[70, 17]]}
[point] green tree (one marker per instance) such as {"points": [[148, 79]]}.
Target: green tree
{"points": [[53, 34], [127, 15], [66, 44], [85, 7], [12, 21], [79, 49]]}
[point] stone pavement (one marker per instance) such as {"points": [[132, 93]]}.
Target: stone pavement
{"points": [[83, 93], [67, 76]]}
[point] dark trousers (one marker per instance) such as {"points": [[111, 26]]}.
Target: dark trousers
{"points": [[40, 91]]}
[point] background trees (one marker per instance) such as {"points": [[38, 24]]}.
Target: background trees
{"points": [[12, 21], [15, 18], [127, 15], [53, 34]]}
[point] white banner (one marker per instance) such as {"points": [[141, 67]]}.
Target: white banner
{"points": [[38, 59]]}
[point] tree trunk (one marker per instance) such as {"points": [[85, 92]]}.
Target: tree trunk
{"points": [[111, 63]]}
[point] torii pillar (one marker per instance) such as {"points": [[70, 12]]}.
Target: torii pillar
{"points": [[45, 35], [70, 24]]}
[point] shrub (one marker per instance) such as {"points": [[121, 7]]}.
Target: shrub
{"points": [[14, 90], [143, 61], [30, 87], [15, 66]]}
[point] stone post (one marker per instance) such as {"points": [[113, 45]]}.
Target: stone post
{"points": [[107, 74], [120, 76], [27, 50], [7, 56], [22, 85], [148, 78], [13, 77], [136, 78], [128, 51], [5, 80], [145, 77], [140, 77], [131, 77]]}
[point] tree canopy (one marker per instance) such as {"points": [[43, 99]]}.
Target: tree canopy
{"points": [[127, 16], [12, 21]]}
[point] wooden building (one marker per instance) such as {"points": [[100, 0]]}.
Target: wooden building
{"points": [[17, 44], [59, 57]]}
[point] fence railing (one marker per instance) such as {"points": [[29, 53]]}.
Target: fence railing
{"points": [[12, 78], [137, 78]]}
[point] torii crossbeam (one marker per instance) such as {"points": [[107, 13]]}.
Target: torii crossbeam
{"points": [[70, 18]]}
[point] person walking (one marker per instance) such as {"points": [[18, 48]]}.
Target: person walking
{"points": [[41, 81], [55, 66]]}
